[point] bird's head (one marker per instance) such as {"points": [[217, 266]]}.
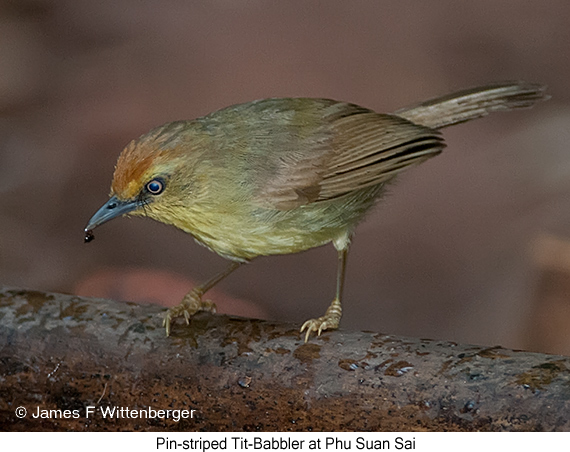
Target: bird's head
{"points": [[152, 176]]}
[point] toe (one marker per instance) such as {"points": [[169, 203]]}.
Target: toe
{"points": [[310, 326], [307, 335]]}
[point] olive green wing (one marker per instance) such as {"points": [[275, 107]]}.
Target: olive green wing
{"points": [[371, 148], [348, 148]]}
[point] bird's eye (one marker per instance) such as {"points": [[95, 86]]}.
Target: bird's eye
{"points": [[155, 186]]}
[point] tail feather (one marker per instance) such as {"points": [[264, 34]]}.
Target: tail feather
{"points": [[473, 103]]}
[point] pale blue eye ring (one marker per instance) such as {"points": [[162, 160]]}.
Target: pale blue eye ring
{"points": [[155, 187]]}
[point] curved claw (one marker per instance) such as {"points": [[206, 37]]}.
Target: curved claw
{"points": [[330, 320], [308, 325], [190, 305], [166, 324], [317, 326]]}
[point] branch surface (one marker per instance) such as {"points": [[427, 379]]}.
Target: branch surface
{"points": [[61, 352]]}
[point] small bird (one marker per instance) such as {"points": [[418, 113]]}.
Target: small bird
{"points": [[282, 175]]}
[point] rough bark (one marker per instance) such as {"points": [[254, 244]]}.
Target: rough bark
{"points": [[61, 352]]}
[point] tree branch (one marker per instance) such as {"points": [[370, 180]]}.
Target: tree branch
{"points": [[61, 352]]}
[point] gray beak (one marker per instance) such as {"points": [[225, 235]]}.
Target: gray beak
{"points": [[111, 209]]}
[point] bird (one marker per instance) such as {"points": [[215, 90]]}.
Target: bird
{"points": [[283, 175]]}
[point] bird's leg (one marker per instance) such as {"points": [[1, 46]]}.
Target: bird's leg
{"points": [[331, 319], [192, 301]]}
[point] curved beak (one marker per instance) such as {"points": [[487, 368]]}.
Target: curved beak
{"points": [[111, 209]]}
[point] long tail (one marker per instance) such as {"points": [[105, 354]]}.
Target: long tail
{"points": [[473, 103]]}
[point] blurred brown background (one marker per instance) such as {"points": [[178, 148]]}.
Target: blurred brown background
{"points": [[450, 254]]}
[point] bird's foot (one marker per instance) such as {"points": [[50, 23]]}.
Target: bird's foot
{"points": [[190, 305], [329, 321]]}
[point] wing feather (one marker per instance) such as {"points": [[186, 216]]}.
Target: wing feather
{"points": [[350, 148]]}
